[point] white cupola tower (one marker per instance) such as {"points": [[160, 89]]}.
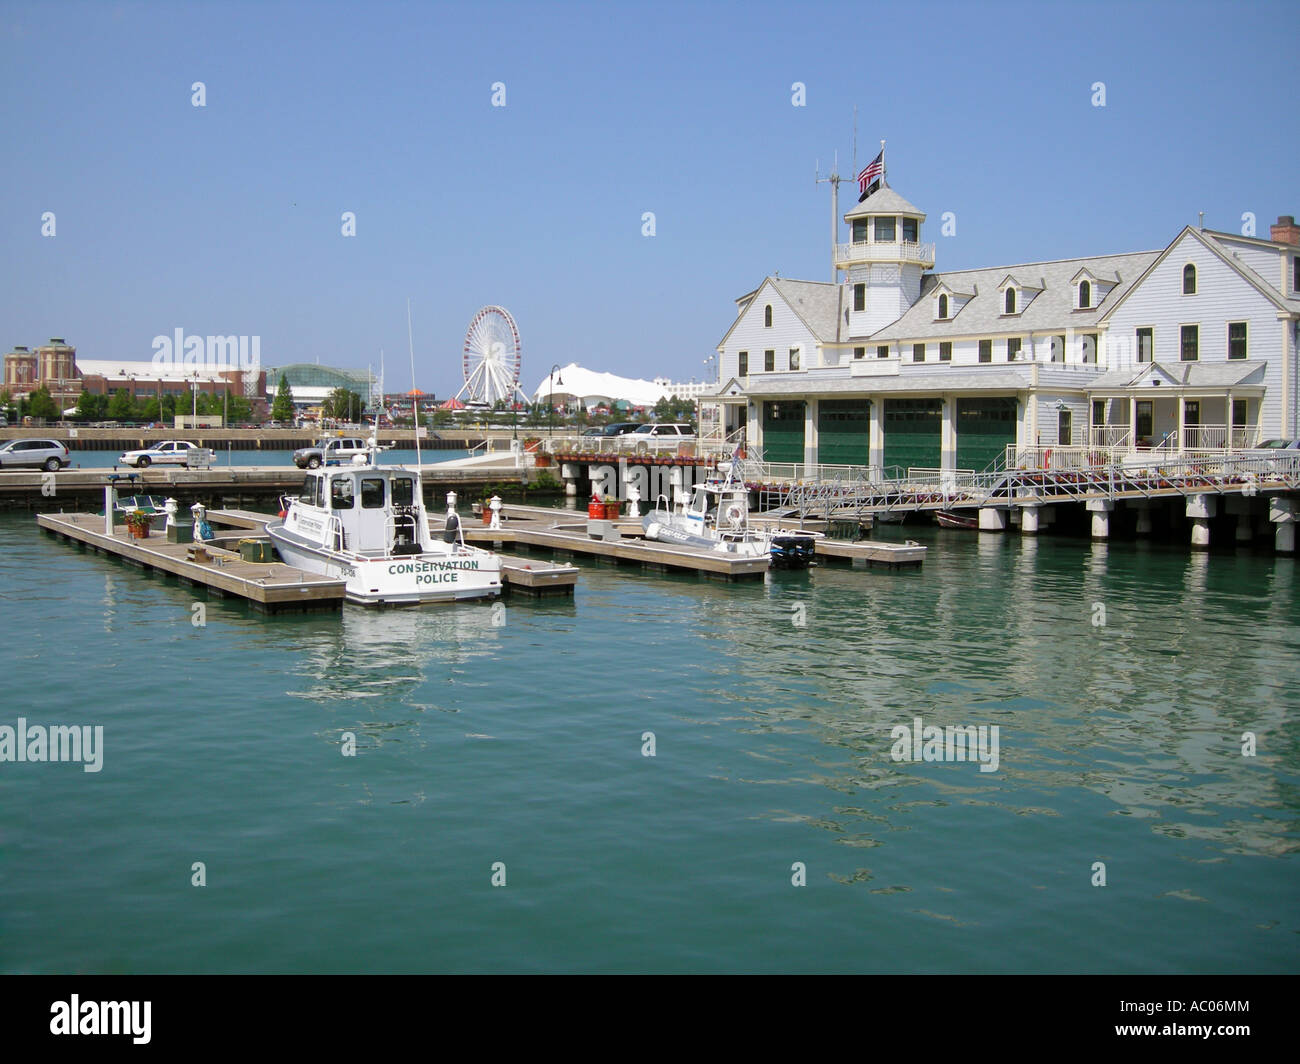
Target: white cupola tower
{"points": [[883, 261]]}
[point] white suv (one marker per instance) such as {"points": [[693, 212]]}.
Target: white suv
{"points": [[663, 433], [329, 452]]}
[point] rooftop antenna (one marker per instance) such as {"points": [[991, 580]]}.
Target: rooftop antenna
{"points": [[834, 180], [1201, 224], [415, 399]]}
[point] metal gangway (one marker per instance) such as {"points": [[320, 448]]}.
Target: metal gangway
{"points": [[1025, 477]]}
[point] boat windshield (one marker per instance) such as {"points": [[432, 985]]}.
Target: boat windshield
{"points": [[403, 491], [313, 491]]}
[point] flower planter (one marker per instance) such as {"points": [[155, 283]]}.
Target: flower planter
{"points": [[611, 510], [595, 510]]}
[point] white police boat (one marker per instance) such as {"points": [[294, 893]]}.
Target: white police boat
{"points": [[367, 525]]}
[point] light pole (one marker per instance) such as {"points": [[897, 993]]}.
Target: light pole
{"points": [[553, 380]]}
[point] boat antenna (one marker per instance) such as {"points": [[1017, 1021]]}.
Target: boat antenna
{"points": [[415, 399]]}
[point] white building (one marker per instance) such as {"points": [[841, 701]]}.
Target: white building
{"points": [[1191, 347], [593, 389]]}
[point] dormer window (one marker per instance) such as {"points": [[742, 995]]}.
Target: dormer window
{"points": [[1009, 302], [767, 316], [885, 230], [1085, 295], [1189, 279], [943, 308]]}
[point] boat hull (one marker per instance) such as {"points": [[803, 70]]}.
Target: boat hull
{"points": [[396, 580], [959, 521]]}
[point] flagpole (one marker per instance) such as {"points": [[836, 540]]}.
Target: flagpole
{"points": [[882, 162]]}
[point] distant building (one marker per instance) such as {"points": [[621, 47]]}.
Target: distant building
{"points": [[573, 384], [312, 383]]}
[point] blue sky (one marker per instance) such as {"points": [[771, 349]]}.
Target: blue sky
{"points": [[225, 219]]}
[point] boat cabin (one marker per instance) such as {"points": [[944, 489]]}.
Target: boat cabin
{"points": [[723, 506], [367, 511]]}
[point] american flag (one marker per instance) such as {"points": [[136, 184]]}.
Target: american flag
{"points": [[871, 172]]}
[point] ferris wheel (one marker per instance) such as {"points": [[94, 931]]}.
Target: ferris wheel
{"points": [[491, 359]]}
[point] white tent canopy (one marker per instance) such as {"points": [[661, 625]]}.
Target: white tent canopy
{"points": [[593, 389]]}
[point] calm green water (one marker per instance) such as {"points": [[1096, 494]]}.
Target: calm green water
{"points": [[522, 743]]}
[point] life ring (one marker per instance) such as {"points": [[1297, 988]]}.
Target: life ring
{"points": [[1047, 458], [735, 515]]}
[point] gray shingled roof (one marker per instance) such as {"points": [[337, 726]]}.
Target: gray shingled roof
{"points": [[817, 302], [883, 201], [799, 384], [1051, 310], [1185, 374]]}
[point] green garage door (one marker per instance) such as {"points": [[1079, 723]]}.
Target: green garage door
{"points": [[783, 431], [844, 431], [984, 428], [913, 433]]}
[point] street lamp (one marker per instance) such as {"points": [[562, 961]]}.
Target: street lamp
{"points": [[553, 380]]}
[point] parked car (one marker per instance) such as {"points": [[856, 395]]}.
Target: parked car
{"points": [[1278, 445], [34, 454], [331, 451], [614, 428], [170, 452], [4, 422], [657, 432]]}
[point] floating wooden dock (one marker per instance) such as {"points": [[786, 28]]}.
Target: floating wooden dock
{"points": [[541, 526], [270, 587], [523, 575]]}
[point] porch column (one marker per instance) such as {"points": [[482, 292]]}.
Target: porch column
{"points": [[1100, 510], [1182, 424], [1200, 508], [948, 434], [876, 451], [1227, 420], [1282, 513], [810, 432], [1132, 422]]}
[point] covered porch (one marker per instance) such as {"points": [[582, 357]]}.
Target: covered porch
{"points": [[1186, 407]]}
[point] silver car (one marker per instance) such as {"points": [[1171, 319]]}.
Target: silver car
{"points": [[34, 454]]}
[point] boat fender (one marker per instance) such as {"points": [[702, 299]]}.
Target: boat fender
{"points": [[452, 527]]}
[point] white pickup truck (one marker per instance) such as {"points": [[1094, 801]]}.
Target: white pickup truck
{"points": [[170, 452]]}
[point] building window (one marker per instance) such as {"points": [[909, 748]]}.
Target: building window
{"points": [[1295, 274], [1098, 412], [943, 308], [859, 352], [945, 350], [767, 316], [1146, 344], [1236, 339], [918, 352], [859, 230], [743, 369], [859, 297], [1191, 343], [1090, 348], [794, 358], [909, 230], [882, 351], [1085, 295], [1009, 303], [1189, 279], [1013, 348], [769, 361], [986, 350], [885, 230], [1057, 349], [1239, 413]]}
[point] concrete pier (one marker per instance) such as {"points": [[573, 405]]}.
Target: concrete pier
{"points": [[992, 519], [1282, 512], [1200, 508], [1100, 510]]}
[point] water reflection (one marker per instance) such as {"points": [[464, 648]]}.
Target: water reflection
{"points": [[1146, 709]]}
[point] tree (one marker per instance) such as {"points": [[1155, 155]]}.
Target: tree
{"points": [[343, 404], [87, 407], [41, 404], [121, 407], [282, 408], [238, 409]]}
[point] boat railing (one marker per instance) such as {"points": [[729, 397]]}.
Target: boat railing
{"points": [[402, 531], [335, 537]]}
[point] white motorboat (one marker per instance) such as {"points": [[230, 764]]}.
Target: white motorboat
{"points": [[367, 525], [717, 518]]}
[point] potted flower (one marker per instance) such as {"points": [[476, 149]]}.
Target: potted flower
{"points": [[138, 524], [611, 508]]}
